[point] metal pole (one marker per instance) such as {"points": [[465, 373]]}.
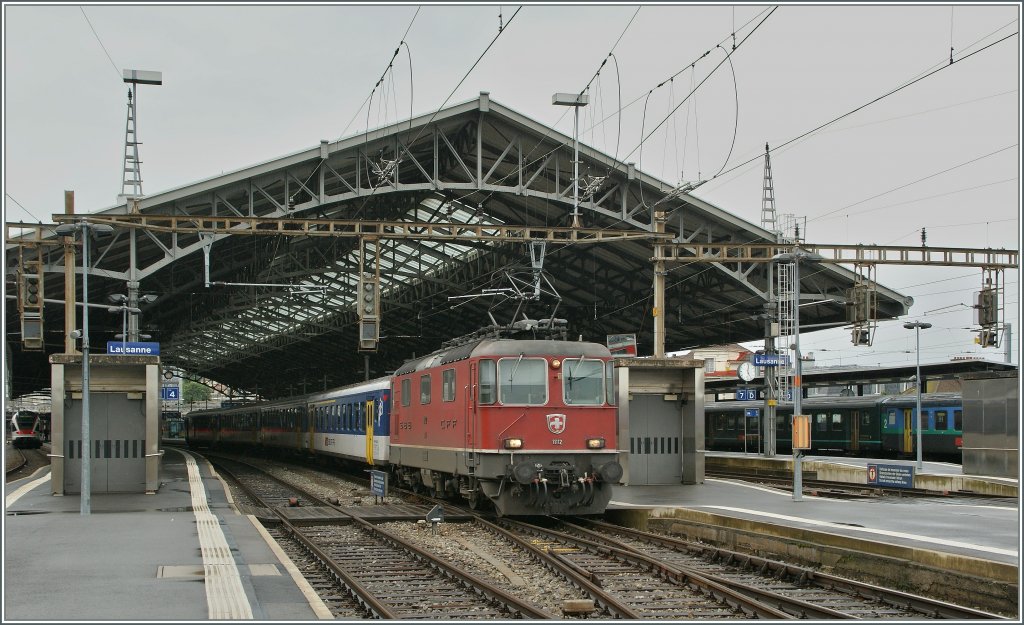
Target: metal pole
{"points": [[798, 487], [917, 380], [69, 279], [770, 379], [86, 498], [576, 168]]}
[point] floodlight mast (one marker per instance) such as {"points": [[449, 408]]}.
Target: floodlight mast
{"points": [[132, 172], [576, 101]]}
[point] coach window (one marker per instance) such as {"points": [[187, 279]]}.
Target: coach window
{"points": [[487, 382], [448, 385], [958, 420], [583, 382], [523, 381], [406, 391], [822, 422], [941, 420], [837, 421], [424, 389]]}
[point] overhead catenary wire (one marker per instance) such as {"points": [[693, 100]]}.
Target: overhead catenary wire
{"points": [[366, 200], [791, 143], [384, 73], [903, 186], [95, 34], [617, 113], [867, 104], [728, 54], [31, 214]]}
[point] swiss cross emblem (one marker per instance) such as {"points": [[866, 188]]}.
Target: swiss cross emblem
{"points": [[556, 423]]}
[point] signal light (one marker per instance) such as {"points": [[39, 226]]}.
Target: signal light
{"points": [[30, 302], [367, 300]]}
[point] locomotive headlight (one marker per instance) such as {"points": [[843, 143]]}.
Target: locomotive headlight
{"points": [[556, 363], [595, 443], [513, 443]]}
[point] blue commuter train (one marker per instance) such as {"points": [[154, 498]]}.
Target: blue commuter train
{"points": [[871, 425]]}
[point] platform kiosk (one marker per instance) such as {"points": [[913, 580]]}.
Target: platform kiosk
{"points": [[661, 420], [124, 423]]}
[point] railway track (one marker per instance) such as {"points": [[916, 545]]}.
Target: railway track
{"points": [[800, 592], [623, 573], [15, 460], [23, 462], [389, 577]]}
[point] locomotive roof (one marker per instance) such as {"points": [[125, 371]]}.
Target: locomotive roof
{"points": [[505, 347]]}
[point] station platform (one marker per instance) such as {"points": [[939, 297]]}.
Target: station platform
{"points": [[181, 554], [976, 536], [943, 477]]}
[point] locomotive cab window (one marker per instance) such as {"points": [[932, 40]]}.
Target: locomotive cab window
{"points": [[406, 391], [424, 390], [609, 382], [487, 393], [523, 381], [582, 382], [448, 385]]}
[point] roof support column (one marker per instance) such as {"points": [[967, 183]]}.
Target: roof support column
{"points": [[658, 311], [70, 314]]}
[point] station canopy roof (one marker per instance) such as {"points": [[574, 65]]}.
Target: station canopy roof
{"points": [[274, 313]]}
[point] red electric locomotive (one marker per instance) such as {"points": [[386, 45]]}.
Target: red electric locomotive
{"points": [[527, 425]]}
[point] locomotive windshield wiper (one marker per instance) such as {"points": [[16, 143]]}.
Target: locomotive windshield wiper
{"points": [[512, 375], [568, 369]]}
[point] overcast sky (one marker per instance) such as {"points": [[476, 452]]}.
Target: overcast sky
{"points": [[247, 84]]}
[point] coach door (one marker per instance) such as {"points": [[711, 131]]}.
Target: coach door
{"points": [[855, 430], [369, 413], [304, 430], [908, 431]]}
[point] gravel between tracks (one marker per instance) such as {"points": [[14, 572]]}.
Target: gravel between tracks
{"points": [[465, 545]]}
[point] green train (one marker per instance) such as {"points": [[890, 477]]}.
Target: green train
{"points": [[871, 425]]}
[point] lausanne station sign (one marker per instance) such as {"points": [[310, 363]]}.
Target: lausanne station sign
{"points": [[133, 349]]}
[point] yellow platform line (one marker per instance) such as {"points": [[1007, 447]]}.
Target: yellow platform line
{"points": [[225, 597]]}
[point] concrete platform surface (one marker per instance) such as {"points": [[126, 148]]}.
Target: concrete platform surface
{"points": [[180, 554], [978, 527]]}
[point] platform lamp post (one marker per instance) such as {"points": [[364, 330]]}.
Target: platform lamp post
{"points": [[795, 257], [87, 230], [576, 101], [917, 326], [122, 307]]}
